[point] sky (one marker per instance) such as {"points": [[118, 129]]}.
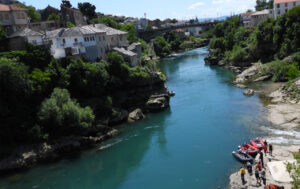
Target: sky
{"points": [[162, 9]]}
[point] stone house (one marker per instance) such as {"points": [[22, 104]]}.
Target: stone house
{"points": [[72, 15], [282, 6], [136, 48], [45, 13], [13, 18], [115, 38], [18, 40], [260, 16], [129, 56], [246, 18], [45, 25]]}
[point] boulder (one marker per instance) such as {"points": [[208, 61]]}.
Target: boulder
{"points": [[113, 133], [241, 86], [222, 63], [136, 115], [263, 78], [248, 73], [157, 103], [249, 92]]}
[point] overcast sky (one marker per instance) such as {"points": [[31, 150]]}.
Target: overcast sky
{"points": [[181, 9]]}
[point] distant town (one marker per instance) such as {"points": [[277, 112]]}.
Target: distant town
{"points": [[77, 32]]}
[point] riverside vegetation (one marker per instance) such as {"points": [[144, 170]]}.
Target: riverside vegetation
{"points": [[269, 51]]}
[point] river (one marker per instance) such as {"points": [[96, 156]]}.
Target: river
{"points": [[186, 146]]}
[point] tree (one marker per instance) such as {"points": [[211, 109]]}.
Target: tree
{"points": [[66, 3], [161, 46], [87, 9], [86, 79], [60, 115], [131, 34], [33, 14], [109, 22], [53, 16]]}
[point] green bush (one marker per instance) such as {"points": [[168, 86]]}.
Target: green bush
{"points": [[59, 114], [238, 54]]}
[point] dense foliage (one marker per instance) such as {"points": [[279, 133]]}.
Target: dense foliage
{"points": [[88, 10], [271, 40], [53, 16], [42, 98]]}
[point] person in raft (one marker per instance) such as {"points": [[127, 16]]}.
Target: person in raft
{"points": [[270, 149], [243, 172], [258, 182], [266, 149]]}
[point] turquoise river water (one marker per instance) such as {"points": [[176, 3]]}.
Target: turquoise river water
{"points": [[186, 146]]}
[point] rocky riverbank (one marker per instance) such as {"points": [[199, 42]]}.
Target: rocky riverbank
{"points": [[150, 95], [280, 153], [283, 105]]}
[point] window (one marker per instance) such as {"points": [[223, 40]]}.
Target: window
{"points": [[286, 4], [75, 40], [34, 42], [121, 37], [278, 5], [286, 10], [64, 41], [112, 39], [22, 16], [103, 38], [278, 12], [99, 38], [6, 17], [1, 17], [294, 4], [101, 50]]}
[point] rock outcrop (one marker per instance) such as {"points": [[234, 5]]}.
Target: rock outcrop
{"points": [[27, 156], [249, 92], [158, 103], [136, 115], [248, 73]]}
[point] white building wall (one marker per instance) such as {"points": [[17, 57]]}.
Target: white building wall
{"points": [[36, 40], [282, 8]]}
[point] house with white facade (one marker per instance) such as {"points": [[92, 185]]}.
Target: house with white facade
{"points": [[282, 6], [18, 40], [86, 41]]}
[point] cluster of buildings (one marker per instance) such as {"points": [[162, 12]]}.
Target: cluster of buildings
{"points": [[280, 7], [90, 42]]}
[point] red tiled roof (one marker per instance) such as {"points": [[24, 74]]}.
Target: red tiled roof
{"points": [[284, 1], [247, 14], [7, 8]]}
